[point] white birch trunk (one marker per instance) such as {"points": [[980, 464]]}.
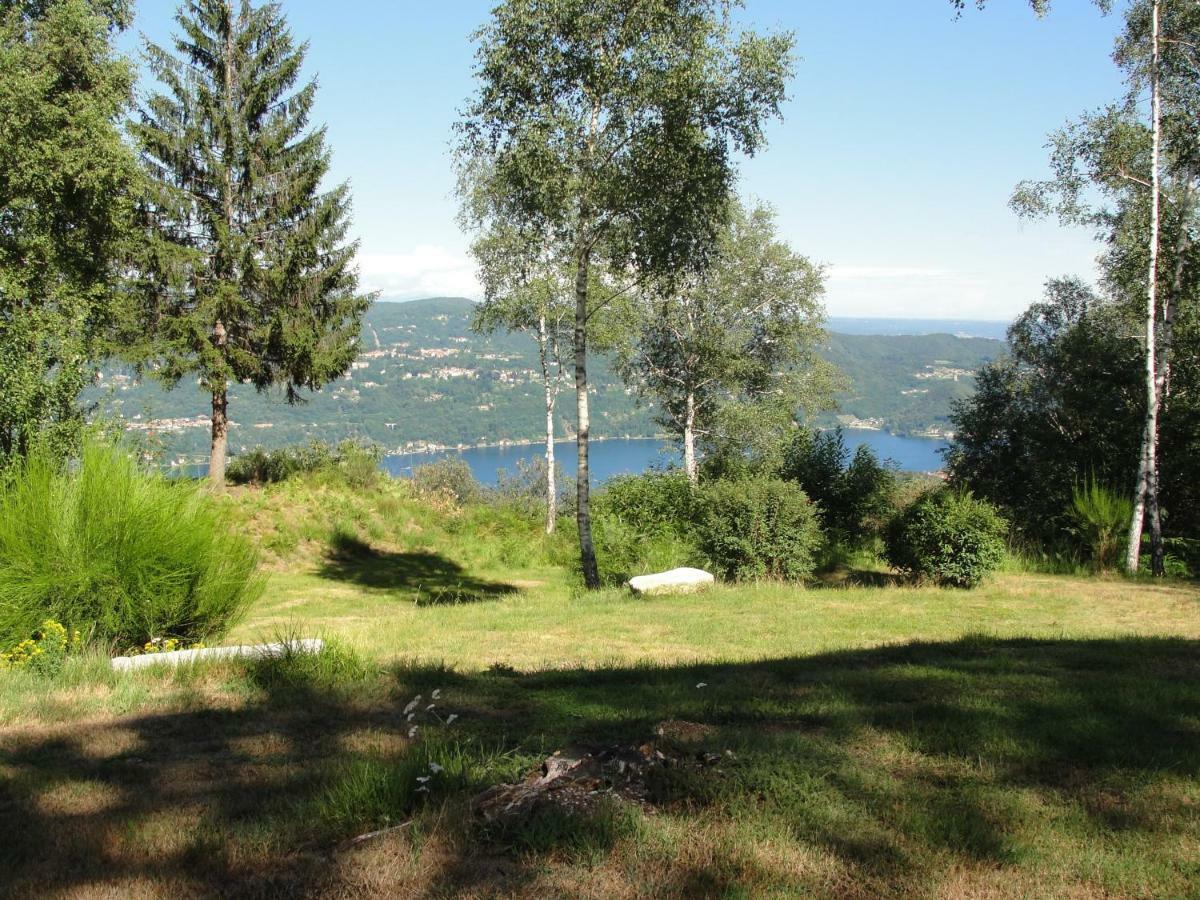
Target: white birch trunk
{"points": [[551, 394], [689, 440], [1145, 496], [583, 516]]}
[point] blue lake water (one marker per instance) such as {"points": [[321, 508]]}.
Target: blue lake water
{"points": [[626, 456]]}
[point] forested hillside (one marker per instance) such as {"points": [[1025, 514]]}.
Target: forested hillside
{"points": [[423, 377]]}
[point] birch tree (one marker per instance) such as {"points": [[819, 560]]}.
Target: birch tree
{"points": [[1134, 177], [742, 332], [611, 128], [527, 288], [1145, 497]]}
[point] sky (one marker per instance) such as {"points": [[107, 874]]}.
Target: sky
{"points": [[905, 131]]}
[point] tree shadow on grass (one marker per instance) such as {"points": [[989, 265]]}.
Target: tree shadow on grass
{"points": [[891, 770], [429, 579], [850, 577]]}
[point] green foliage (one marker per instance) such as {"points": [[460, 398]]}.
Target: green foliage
{"points": [[357, 462], [743, 332], [120, 554], [525, 486], [612, 128], [1065, 406], [644, 523], [948, 537], [246, 275], [1101, 520], [853, 493], [65, 182], [758, 528], [653, 500], [449, 478]]}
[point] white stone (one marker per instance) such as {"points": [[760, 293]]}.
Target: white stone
{"points": [[253, 651], [676, 581]]}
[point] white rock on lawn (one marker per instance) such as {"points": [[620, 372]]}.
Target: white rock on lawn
{"points": [[676, 581], [254, 651]]}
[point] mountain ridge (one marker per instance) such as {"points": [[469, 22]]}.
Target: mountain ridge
{"points": [[423, 379]]}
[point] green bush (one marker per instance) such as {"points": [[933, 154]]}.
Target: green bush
{"points": [[121, 554], [644, 523], [758, 528], [948, 537], [450, 478], [653, 501], [356, 462], [524, 487], [1101, 519], [853, 491]]}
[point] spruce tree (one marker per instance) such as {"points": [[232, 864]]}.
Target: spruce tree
{"points": [[247, 275]]}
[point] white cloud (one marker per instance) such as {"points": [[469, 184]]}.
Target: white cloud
{"points": [[425, 271]]}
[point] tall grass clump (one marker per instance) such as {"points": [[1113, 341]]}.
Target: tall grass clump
{"points": [[121, 554], [1101, 519]]}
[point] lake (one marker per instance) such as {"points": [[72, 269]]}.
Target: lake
{"points": [[626, 456]]}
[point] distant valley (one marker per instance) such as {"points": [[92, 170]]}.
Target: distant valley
{"points": [[424, 379]]}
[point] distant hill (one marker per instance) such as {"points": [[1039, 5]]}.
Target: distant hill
{"points": [[424, 378]]}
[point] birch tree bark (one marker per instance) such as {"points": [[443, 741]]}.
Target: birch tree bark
{"points": [[583, 518], [1146, 488], [551, 390]]}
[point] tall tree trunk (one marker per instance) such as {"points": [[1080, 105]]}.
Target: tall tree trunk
{"points": [[551, 393], [1165, 341], [689, 439], [220, 439], [583, 516], [1146, 490], [220, 419]]}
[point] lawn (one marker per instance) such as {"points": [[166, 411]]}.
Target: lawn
{"points": [[1037, 737]]}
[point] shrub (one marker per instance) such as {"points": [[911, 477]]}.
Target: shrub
{"points": [[758, 528], [948, 537], [120, 554], [1101, 518], [644, 523], [450, 478], [524, 487], [357, 462], [652, 501], [853, 492]]}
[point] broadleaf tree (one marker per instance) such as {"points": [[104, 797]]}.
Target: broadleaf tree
{"points": [[65, 210], [527, 288], [248, 275], [1135, 178], [611, 128], [741, 333]]}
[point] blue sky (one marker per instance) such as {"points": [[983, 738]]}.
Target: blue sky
{"points": [[903, 137]]}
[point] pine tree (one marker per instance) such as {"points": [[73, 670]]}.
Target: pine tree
{"points": [[247, 274]]}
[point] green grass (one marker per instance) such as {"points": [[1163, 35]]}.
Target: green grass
{"points": [[1036, 737], [118, 553]]}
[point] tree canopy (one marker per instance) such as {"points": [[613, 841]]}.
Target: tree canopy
{"points": [[66, 179], [248, 275]]}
